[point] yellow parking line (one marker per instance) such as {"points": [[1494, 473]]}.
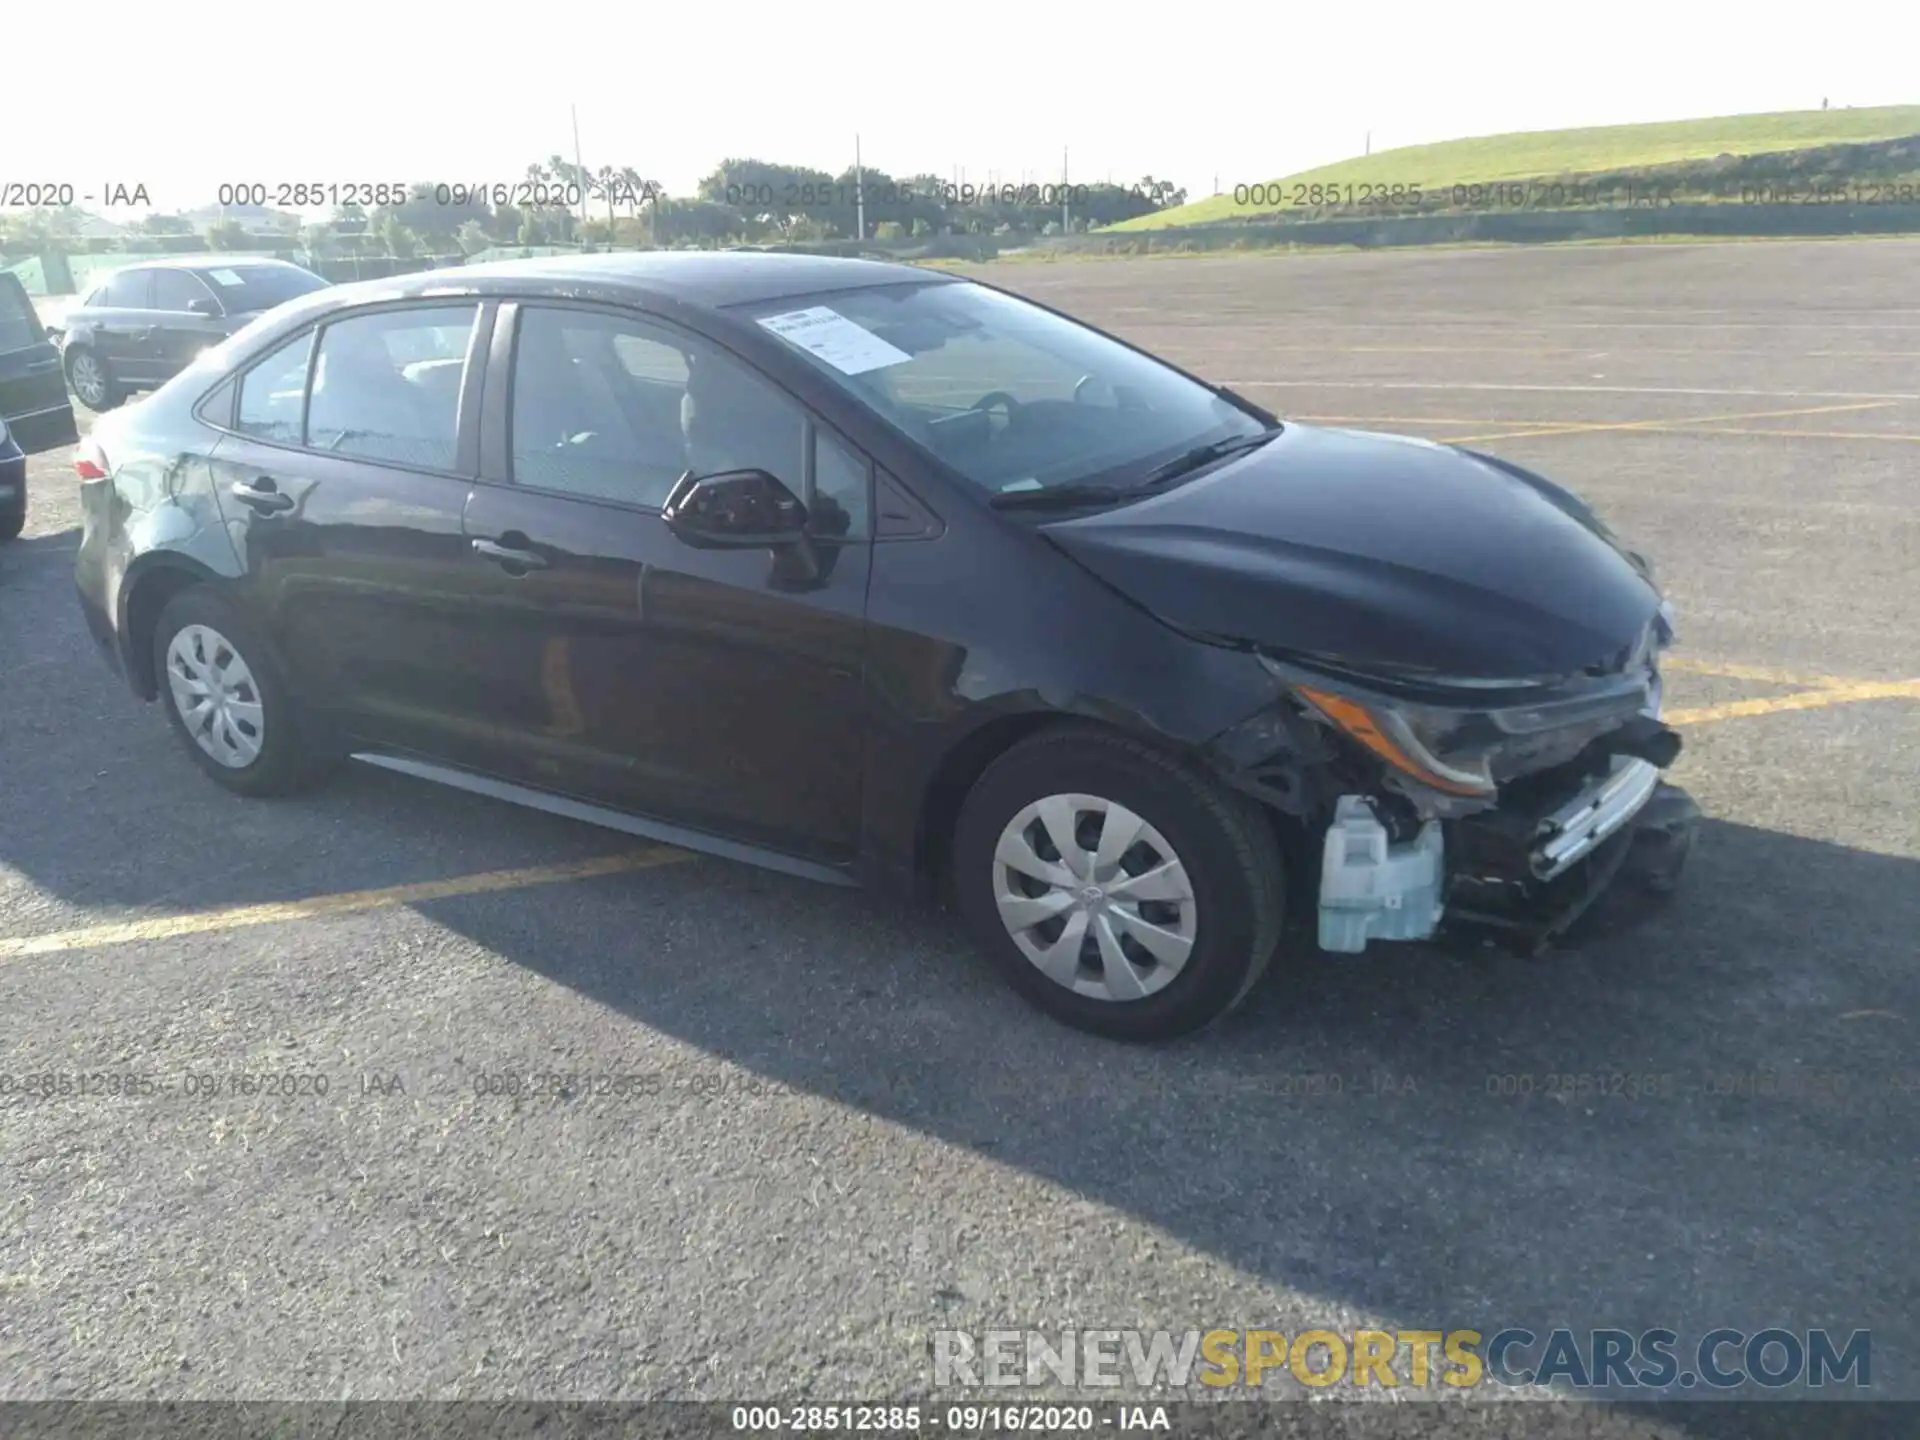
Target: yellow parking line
{"points": [[1812, 434], [1802, 700], [1732, 670], [1676, 423], [205, 922], [1418, 420], [1572, 426]]}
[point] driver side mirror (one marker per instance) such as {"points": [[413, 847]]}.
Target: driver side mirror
{"points": [[734, 510], [204, 305]]}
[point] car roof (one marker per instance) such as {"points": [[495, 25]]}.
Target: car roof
{"points": [[209, 262], [707, 278]]}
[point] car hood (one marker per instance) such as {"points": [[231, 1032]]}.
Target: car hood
{"points": [[1377, 550]]}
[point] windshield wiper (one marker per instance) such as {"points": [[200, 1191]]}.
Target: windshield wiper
{"points": [[1204, 455], [1057, 497]]}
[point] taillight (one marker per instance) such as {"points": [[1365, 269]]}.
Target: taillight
{"points": [[89, 460]]}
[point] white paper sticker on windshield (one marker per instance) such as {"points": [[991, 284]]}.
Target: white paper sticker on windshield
{"points": [[227, 277], [847, 347]]}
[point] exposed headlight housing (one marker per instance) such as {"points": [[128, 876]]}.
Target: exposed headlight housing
{"points": [[1467, 747]]}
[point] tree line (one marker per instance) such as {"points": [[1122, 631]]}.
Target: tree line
{"points": [[741, 201]]}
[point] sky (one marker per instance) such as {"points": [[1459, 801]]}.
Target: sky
{"points": [[184, 99]]}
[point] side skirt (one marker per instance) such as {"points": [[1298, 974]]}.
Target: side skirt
{"points": [[608, 819]]}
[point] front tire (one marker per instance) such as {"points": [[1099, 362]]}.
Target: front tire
{"points": [[1119, 890], [225, 698], [13, 516], [90, 380]]}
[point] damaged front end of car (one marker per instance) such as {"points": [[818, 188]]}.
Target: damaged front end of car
{"points": [[1459, 807]]}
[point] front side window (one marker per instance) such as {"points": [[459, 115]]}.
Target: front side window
{"points": [[173, 289], [842, 483], [273, 393], [1012, 396], [386, 386], [614, 408]]}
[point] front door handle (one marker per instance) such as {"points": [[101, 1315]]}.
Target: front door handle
{"points": [[262, 494], [509, 556]]}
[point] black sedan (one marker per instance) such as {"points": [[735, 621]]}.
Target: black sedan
{"points": [[875, 575], [139, 327], [35, 413]]}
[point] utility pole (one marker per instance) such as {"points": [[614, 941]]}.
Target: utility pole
{"points": [[1066, 213], [579, 170], [859, 195], [1369, 149]]}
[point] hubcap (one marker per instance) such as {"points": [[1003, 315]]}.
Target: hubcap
{"points": [[1095, 897], [216, 696], [88, 379]]}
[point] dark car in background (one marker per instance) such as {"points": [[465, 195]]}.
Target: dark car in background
{"points": [[876, 575], [139, 327], [35, 413]]}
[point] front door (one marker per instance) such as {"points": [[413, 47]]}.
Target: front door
{"points": [[179, 333], [123, 328], [719, 689]]}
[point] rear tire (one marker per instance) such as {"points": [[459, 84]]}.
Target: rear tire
{"points": [[1156, 915], [226, 700], [90, 379], [13, 516]]}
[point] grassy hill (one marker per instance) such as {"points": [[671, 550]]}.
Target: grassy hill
{"points": [[1676, 150]]}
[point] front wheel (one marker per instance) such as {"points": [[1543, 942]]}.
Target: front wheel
{"points": [[13, 515], [1118, 889]]}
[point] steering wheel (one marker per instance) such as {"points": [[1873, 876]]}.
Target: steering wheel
{"points": [[1082, 385], [998, 398]]}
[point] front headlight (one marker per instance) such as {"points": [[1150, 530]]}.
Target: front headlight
{"points": [[1415, 739], [1469, 748]]}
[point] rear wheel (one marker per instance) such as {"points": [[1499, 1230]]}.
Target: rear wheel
{"points": [[225, 699], [90, 379], [1119, 890], [13, 515]]}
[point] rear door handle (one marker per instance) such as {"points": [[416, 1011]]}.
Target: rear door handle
{"points": [[262, 494], [510, 556]]}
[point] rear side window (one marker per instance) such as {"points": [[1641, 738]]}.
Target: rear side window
{"points": [[129, 290], [386, 386], [19, 327], [273, 393]]}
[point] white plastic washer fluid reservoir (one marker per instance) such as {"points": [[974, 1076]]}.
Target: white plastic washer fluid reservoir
{"points": [[1371, 889]]}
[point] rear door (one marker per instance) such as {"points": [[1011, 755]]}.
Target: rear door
{"points": [[343, 478], [178, 333], [33, 393], [123, 325], [718, 689]]}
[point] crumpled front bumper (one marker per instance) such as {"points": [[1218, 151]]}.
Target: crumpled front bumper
{"points": [[1526, 875]]}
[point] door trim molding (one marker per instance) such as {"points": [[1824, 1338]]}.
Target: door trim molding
{"points": [[600, 815]]}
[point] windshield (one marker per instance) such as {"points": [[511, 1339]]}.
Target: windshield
{"points": [[1012, 396], [243, 288]]}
